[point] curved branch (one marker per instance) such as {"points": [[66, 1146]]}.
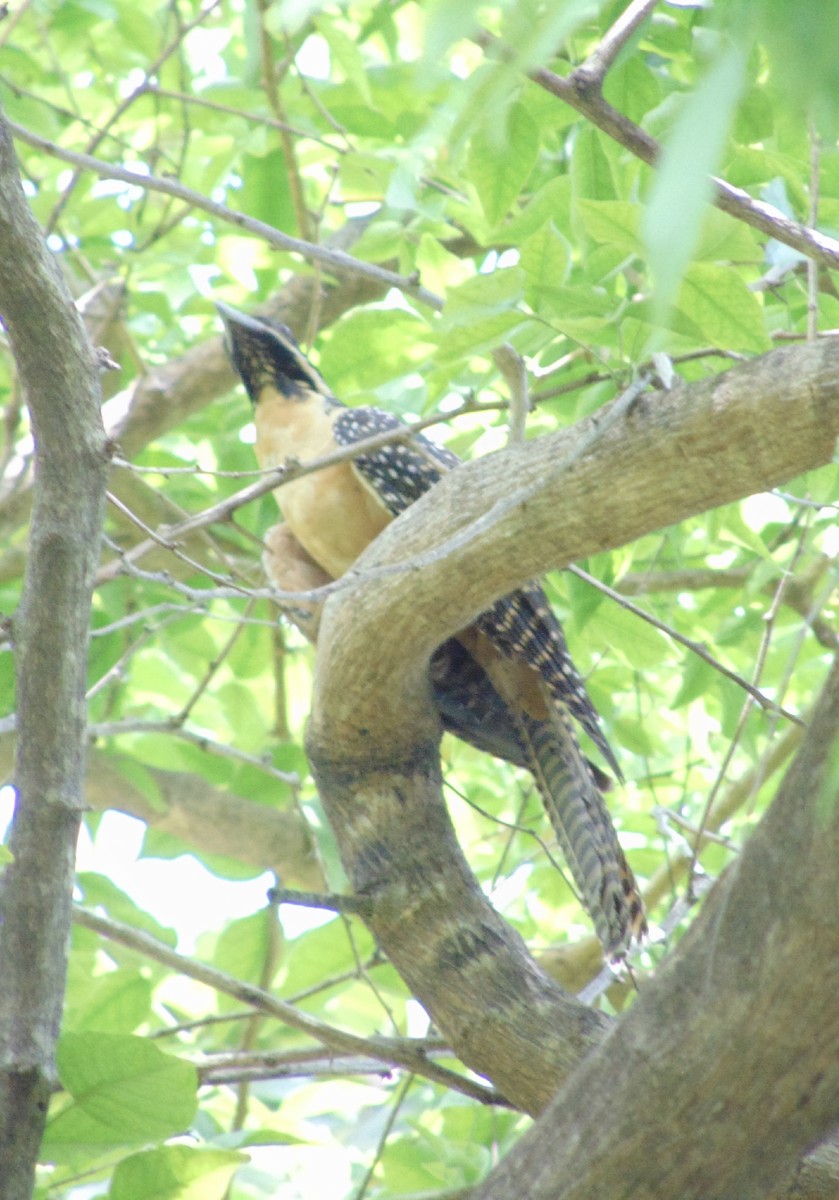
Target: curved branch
{"points": [[672, 455], [373, 735]]}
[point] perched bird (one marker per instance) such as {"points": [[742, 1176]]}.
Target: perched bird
{"points": [[507, 683]]}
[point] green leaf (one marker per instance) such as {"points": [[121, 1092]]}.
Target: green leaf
{"points": [[101, 892], [726, 240], [244, 946], [613, 222], [114, 1003], [175, 1173], [575, 302], [545, 259], [446, 23], [478, 336], [140, 778], [321, 953], [633, 87], [591, 169], [347, 55], [126, 1085], [682, 187], [482, 294], [265, 193], [500, 161], [698, 677], [724, 311], [736, 530], [370, 347], [552, 202], [633, 638]]}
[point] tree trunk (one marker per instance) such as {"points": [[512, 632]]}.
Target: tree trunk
{"points": [[57, 371]]}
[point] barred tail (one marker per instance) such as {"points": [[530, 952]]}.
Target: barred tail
{"points": [[584, 829]]}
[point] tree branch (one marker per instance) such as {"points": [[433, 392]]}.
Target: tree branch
{"points": [[373, 735], [581, 91], [59, 375], [207, 818], [719, 1052], [798, 594], [393, 1051], [674, 454], [334, 260], [613, 41]]}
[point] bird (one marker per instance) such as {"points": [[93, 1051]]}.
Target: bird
{"points": [[506, 684]]}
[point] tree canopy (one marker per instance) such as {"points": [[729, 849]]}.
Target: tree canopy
{"points": [[589, 248]]}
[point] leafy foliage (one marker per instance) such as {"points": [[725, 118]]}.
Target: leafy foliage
{"points": [[538, 230]]}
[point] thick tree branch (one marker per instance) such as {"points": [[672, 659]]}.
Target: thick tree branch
{"points": [[59, 375], [731, 1054], [209, 818], [373, 736], [674, 454]]}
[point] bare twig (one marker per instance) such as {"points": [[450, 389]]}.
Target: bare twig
{"points": [[121, 728], [272, 75], [333, 260], [812, 217], [574, 89], [124, 105], [511, 365], [272, 479], [155, 89], [396, 1052], [797, 595], [594, 69], [763, 650], [695, 647]]}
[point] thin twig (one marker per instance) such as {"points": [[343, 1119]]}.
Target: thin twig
{"points": [[123, 106], [397, 1102], [613, 41], [329, 903], [108, 729], [214, 664], [812, 218], [797, 595], [511, 365], [393, 1051], [167, 543], [333, 260], [271, 479], [155, 89], [734, 741], [695, 647]]}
